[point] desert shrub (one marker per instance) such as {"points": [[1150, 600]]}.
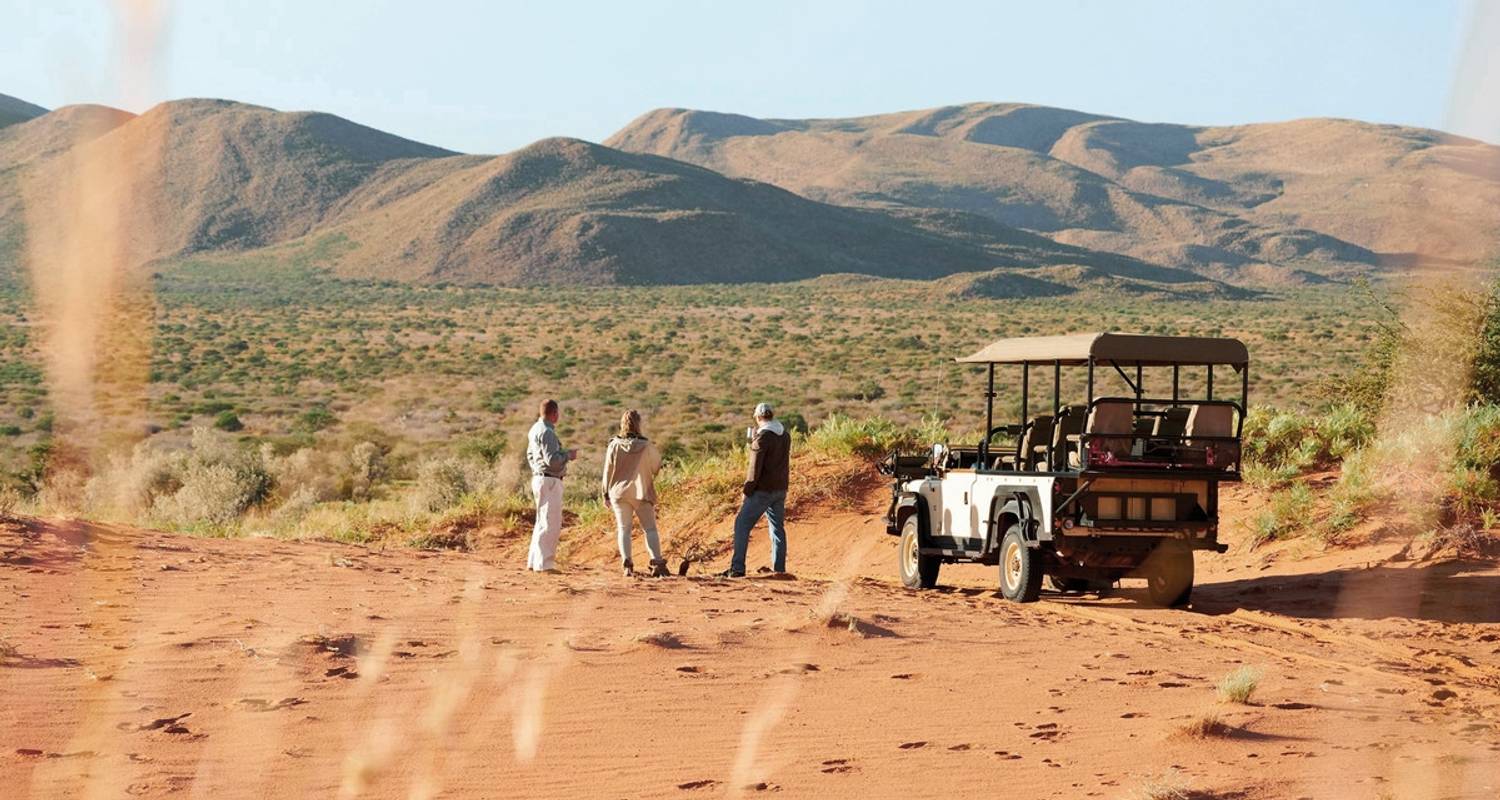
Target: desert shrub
{"points": [[1239, 685], [1437, 469], [218, 481], [1167, 786], [443, 482], [315, 419], [1287, 512], [295, 507], [228, 421], [328, 472], [1203, 725], [1352, 497], [1473, 480], [1279, 445], [128, 485], [486, 447], [1486, 372], [874, 437], [367, 467]]}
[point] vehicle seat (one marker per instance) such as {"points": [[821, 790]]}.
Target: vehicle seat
{"points": [[1069, 424], [1109, 417], [1038, 431], [1206, 420], [1173, 423]]}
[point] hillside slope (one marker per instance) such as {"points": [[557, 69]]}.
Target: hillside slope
{"points": [[198, 176], [1216, 200], [14, 109]]}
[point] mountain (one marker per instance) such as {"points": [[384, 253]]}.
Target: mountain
{"points": [[14, 109], [1012, 199], [1248, 201], [197, 176]]}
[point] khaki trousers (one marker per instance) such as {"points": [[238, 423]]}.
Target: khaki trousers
{"points": [[627, 510]]}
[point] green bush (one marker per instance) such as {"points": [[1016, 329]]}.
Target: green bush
{"points": [[1279, 445], [217, 482], [315, 419], [443, 482], [228, 421], [1287, 512], [875, 437]]}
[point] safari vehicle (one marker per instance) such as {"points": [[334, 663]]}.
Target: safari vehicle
{"points": [[1119, 485]]}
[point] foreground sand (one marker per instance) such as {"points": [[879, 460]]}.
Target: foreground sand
{"points": [[138, 663]]}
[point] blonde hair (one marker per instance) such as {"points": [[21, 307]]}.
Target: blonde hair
{"points": [[630, 424]]}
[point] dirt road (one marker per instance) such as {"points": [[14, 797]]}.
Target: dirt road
{"points": [[137, 663]]}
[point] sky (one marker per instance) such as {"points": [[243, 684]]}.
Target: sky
{"points": [[490, 77]]}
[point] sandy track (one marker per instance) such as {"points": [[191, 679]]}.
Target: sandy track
{"points": [[146, 664]]}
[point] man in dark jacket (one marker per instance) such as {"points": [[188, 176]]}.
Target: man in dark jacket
{"points": [[765, 491]]}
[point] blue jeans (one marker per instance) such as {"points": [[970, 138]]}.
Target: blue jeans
{"points": [[771, 505]]}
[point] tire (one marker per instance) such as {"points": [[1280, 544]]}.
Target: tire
{"points": [[917, 571], [1070, 585], [1020, 568], [1169, 574]]}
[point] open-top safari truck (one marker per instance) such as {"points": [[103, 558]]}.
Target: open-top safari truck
{"points": [[1087, 494]]}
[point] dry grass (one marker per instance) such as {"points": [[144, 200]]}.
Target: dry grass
{"points": [[1203, 725], [663, 639], [1239, 685], [1166, 786]]}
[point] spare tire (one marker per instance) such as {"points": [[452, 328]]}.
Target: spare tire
{"points": [[1169, 574]]}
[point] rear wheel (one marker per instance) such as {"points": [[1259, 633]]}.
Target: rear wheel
{"points": [[917, 571], [1020, 568], [1169, 574]]}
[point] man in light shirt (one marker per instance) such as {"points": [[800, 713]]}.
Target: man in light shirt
{"points": [[549, 463]]}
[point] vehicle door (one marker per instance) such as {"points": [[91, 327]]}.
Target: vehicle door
{"points": [[960, 520]]}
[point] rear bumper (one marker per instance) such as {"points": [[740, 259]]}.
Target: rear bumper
{"points": [[1197, 535]]}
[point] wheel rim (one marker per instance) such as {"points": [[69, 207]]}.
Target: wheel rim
{"points": [[1012, 565], [909, 556]]}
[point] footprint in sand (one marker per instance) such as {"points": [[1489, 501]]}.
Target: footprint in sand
{"points": [[692, 785], [835, 766], [912, 745]]}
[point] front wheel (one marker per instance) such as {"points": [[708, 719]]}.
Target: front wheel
{"points": [[1020, 568], [1169, 574], [917, 571]]}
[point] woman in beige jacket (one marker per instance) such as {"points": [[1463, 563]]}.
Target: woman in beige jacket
{"points": [[630, 466]]}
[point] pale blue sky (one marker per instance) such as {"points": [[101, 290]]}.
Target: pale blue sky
{"points": [[490, 77]]}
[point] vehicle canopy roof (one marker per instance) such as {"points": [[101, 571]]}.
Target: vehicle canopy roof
{"points": [[1122, 348]]}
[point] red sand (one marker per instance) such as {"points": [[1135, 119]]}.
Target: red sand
{"points": [[138, 663]]}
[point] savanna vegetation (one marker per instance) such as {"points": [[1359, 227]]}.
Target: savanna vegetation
{"points": [[279, 400]]}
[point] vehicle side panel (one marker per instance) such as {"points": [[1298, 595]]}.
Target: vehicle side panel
{"points": [[996, 491]]}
